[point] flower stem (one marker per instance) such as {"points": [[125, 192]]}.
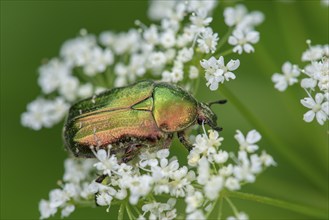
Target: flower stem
{"points": [[121, 211], [306, 210], [226, 52], [212, 208], [224, 38], [220, 208], [130, 214], [235, 210], [268, 134]]}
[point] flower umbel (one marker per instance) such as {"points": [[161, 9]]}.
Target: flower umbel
{"points": [[142, 184], [316, 81]]}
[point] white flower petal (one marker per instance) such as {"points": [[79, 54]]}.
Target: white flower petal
{"points": [[309, 116], [248, 48], [319, 98], [308, 83], [239, 137], [233, 65], [325, 107], [307, 102], [253, 136], [321, 117]]}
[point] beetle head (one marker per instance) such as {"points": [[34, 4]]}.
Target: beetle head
{"points": [[207, 116]]}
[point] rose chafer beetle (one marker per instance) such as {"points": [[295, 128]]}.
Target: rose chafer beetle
{"points": [[142, 115]]}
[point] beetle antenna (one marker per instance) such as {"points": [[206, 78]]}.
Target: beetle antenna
{"points": [[223, 101]]}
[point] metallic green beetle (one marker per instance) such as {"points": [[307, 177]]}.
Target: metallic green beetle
{"points": [[143, 115]]}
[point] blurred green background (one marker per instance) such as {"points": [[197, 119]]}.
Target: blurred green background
{"points": [[32, 162]]}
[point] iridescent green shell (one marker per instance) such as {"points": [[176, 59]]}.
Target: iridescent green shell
{"points": [[145, 114]]}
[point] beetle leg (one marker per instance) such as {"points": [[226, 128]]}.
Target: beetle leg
{"points": [[130, 152], [101, 178], [183, 139]]}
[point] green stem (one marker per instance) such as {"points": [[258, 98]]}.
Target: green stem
{"points": [[121, 211], [220, 208], [223, 40], [306, 210], [137, 210], [268, 134], [226, 52], [212, 208], [235, 210], [130, 214]]}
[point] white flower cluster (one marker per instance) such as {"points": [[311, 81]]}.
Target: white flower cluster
{"points": [[74, 189], [243, 35], [141, 186], [316, 81], [169, 51]]}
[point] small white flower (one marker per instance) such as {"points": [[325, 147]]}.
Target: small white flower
{"points": [[319, 108], [168, 39], [193, 201], [126, 42], [46, 209], [240, 17], [234, 16], [58, 197], [232, 183], [77, 51], [243, 40], [186, 37], [221, 157], [157, 59], [213, 187], [44, 113], [193, 73], [239, 216], [248, 143], [107, 38], [185, 54], [98, 60], [289, 76], [313, 53], [151, 35], [197, 214], [104, 199], [217, 72], [176, 75], [138, 186], [67, 210], [69, 88], [203, 171], [160, 9], [267, 159], [108, 163], [51, 75], [208, 41], [200, 20], [85, 90]]}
